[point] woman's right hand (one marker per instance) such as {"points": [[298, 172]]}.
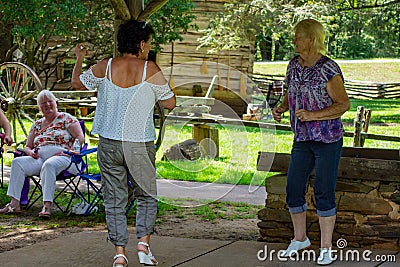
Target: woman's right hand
{"points": [[35, 155], [32, 152], [277, 113], [81, 50]]}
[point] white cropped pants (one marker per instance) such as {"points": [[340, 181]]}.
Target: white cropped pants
{"points": [[47, 170]]}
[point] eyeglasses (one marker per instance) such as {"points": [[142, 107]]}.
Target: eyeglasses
{"points": [[48, 102]]}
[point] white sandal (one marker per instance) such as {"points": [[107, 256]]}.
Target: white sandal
{"points": [[9, 209], [146, 259], [119, 264]]}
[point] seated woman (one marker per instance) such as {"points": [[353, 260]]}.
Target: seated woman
{"points": [[47, 139]]}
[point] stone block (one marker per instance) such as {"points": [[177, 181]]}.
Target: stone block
{"points": [[395, 197], [389, 188], [380, 220], [280, 235], [343, 185], [187, 150], [345, 218], [313, 227], [275, 204], [345, 229], [278, 215], [276, 184], [364, 206], [274, 225], [387, 231]]}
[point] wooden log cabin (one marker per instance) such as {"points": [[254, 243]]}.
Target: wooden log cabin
{"points": [[186, 66]]}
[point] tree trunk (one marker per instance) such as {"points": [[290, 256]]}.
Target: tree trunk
{"points": [[135, 7], [6, 40], [121, 9], [132, 9]]}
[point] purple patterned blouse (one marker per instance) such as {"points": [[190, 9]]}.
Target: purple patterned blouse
{"points": [[307, 90]]}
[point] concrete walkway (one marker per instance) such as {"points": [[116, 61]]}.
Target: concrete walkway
{"points": [[254, 195], [91, 248]]}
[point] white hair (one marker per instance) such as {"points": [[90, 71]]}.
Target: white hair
{"points": [[45, 94]]}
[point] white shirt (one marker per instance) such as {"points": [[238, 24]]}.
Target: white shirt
{"points": [[125, 114]]}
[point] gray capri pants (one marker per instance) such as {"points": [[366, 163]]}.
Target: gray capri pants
{"points": [[116, 160]]}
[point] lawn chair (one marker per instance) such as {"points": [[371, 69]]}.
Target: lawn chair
{"points": [[93, 180], [70, 181], [94, 183]]}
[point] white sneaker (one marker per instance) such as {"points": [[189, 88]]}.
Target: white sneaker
{"points": [[325, 256], [294, 246]]}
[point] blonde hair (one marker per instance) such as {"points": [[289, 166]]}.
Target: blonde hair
{"points": [[45, 94], [311, 28]]}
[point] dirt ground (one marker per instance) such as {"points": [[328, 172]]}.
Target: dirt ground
{"points": [[215, 221]]}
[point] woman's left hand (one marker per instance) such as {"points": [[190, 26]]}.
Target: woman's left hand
{"points": [[304, 115], [61, 154]]}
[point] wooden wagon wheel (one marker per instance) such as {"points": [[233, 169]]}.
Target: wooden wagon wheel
{"points": [[19, 86]]}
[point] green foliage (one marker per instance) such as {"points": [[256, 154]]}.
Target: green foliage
{"points": [[36, 18], [172, 20], [243, 21], [35, 22], [356, 29], [365, 33]]}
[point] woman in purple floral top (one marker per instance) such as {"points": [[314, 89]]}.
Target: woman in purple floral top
{"points": [[316, 99]]}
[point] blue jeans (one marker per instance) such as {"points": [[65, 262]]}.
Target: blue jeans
{"points": [[306, 156]]}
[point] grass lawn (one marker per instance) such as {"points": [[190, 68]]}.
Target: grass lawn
{"points": [[371, 70]]}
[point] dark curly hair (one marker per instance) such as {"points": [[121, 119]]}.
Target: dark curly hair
{"points": [[131, 33]]}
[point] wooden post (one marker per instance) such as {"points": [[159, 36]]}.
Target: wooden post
{"points": [[228, 81], [208, 138], [219, 75], [381, 91], [365, 124], [358, 126], [242, 86]]}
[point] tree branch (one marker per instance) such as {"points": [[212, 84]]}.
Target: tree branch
{"points": [[151, 8], [121, 9], [10, 52]]}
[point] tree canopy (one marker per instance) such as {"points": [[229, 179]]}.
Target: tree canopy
{"points": [[34, 23], [356, 29]]}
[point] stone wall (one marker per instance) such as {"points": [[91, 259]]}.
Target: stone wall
{"points": [[367, 210]]}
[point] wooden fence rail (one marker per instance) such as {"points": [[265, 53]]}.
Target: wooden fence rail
{"points": [[268, 125], [359, 134]]}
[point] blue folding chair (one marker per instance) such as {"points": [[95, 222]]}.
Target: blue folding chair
{"points": [[70, 181], [93, 180], [94, 183]]}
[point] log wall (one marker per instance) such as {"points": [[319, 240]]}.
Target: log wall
{"points": [[195, 66]]}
